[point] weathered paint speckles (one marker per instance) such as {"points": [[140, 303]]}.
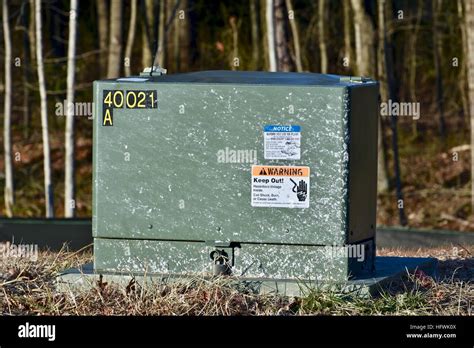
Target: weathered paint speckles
{"points": [[172, 194], [132, 194], [282, 262]]}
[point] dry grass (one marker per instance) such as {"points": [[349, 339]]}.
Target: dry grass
{"points": [[28, 288]]}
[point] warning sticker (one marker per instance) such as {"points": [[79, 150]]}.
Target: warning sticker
{"points": [[280, 186], [282, 142]]}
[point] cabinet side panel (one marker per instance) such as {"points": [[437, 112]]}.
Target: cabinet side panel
{"points": [[363, 162]]}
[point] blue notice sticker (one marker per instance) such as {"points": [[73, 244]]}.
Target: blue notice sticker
{"points": [[276, 128], [282, 142]]}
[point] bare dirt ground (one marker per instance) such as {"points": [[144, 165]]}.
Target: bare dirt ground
{"points": [[27, 287]]}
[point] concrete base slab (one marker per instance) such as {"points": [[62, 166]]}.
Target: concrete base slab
{"points": [[388, 270]]}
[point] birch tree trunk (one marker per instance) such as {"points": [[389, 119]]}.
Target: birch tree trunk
{"points": [[8, 193], [48, 186], [102, 21], [322, 14], [114, 62], [469, 22], [295, 35], [364, 39], [269, 16], [131, 36], [69, 180]]}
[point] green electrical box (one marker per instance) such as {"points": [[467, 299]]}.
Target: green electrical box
{"points": [[254, 174]]}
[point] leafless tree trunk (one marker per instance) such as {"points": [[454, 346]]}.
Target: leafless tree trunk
{"points": [[364, 39], [414, 62], [32, 32], [115, 40], [365, 52], [69, 181], [131, 37], [437, 56], [235, 42], [347, 34], [7, 142], [413, 45], [281, 38], [388, 90], [147, 32], [161, 52], [382, 68], [185, 35], [255, 34], [270, 21], [463, 67], [469, 22], [176, 33], [296, 36], [48, 186], [26, 71], [176, 25], [310, 40], [102, 20], [264, 59], [383, 179], [322, 14]]}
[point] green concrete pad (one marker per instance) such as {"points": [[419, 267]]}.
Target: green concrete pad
{"points": [[388, 270]]}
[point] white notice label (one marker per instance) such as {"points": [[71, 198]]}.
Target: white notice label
{"points": [[280, 186], [282, 142]]}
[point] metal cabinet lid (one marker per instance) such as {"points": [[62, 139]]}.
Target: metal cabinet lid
{"points": [[260, 78]]}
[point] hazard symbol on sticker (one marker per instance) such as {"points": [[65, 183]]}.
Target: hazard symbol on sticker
{"points": [[280, 186]]}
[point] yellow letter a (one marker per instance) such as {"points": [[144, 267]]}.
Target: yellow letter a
{"points": [[107, 118]]}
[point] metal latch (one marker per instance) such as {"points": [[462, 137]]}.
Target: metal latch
{"points": [[153, 71], [358, 79], [221, 262]]}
